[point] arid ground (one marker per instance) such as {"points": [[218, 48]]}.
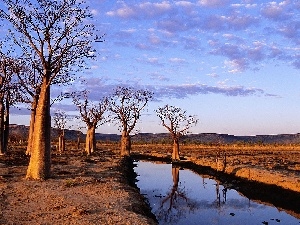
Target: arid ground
{"points": [[99, 189], [82, 190]]}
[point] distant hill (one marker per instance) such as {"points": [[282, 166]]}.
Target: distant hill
{"points": [[229, 139], [20, 132], [213, 138]]}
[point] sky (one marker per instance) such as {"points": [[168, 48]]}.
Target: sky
{"points": [[233, 64]]}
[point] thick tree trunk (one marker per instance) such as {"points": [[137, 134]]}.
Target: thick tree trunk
{"points": [[61, 143], [31, 126], [125, 144], [175, 153], [6, 125], [40, 160], [90, 145], [1, 127]]}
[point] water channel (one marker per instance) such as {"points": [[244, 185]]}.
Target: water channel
{"points": [[181, 197]]}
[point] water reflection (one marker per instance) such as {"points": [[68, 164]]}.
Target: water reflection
{"points": [[183, 197], [174, 205], [218, 195]]}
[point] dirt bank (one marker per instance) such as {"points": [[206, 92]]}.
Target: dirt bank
{"points": [[83, 190]]}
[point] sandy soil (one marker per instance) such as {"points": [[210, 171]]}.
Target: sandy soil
{"points": [[82, 190]]}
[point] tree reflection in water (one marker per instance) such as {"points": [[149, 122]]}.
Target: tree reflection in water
{"points": [[218, 195], [175, 205], [194, 199]]}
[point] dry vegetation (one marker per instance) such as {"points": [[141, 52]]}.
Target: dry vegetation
{"points": [[284, 158]]}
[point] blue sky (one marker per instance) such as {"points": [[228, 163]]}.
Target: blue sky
{"points": [[234, 64]]}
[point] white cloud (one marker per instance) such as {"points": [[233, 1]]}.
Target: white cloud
{"points": [[214, 75], [159, 77], [153, 60], [184, 3], [177, 60], [94, 12], [236, 65], [125, 12], [152, 9], [130, 30], [94, 67], [154, 39], [213, 3], [142, 10], [272, 10], [172, 25]]}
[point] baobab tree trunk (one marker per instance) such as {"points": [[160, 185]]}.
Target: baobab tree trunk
{"points": [[61, 142], [40, 160], [90, 145], [6, 125], [125, 144], [1, 127], [175, 153], [31, 126]]}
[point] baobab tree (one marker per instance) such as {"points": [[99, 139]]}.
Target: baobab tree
{"points": [[176, 121], [126, 105], [55, 38], [60, 122], [93, 115]]}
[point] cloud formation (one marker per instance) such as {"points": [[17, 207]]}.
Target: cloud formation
{"points": [[213, 3], [100, 87], [242, 30], [184, 90], [141, 10]]}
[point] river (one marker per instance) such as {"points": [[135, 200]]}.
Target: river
{"points": [[181, 197]]}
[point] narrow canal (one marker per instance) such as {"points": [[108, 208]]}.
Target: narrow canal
{"points": [[179, 196]]}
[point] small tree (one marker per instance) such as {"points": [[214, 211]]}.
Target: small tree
{"points": [[126, 104], [60, 122], [176, 121], [93, 115]]}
